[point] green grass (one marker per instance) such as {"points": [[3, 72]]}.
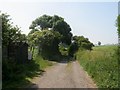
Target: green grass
{"points": [[42, 63], [20, 75], [101, 64]]}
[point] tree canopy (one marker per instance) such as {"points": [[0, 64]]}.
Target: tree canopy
{"points": [[54, 23], [10, 33], [48, 31], [47, 41], [83, 42]]}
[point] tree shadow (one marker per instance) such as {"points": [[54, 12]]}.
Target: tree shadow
{"points": [[62, 58], [19, 75], [32, 86]]}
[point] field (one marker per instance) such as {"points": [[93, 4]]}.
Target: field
{"points": [[101, 64]]}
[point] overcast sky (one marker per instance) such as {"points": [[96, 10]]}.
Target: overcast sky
{"points": [[94, 20]]}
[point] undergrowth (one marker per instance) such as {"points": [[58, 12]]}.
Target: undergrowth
{"points": [[101, 64]]}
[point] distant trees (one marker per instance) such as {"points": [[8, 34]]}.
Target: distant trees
{"points": [[79, 42], [99, 43], [83, 42]]}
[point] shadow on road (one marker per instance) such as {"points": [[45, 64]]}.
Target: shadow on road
{"points": [[63, 61], [32, 86], [19, 74]]}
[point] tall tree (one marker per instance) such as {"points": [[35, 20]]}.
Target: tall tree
{"points": [[56, 23]]}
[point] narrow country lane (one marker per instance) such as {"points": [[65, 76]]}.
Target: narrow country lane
{"points": [[64, 75]]}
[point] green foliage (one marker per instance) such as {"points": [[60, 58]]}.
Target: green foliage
{"points": [[11, 71], [20, 75], [14, 75], [118, 29], [118, 25], [10, 33], [33, 39], [43, 63], [44, 22], [63, 48], [64, 29], [101, 64], [73, 48], [56, 23], [83, 42], [47, 41], [79, 42], [48, 37], [32, 31]]}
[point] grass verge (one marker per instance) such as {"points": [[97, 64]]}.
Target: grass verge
{"points": [[101, 64], [20, 75]]}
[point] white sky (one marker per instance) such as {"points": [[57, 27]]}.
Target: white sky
{"points": [[91, 18]]}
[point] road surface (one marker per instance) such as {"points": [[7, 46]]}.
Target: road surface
{"points": [[64, 75]]}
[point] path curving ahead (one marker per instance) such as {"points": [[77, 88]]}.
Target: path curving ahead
{"points": [[64, 75]]}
